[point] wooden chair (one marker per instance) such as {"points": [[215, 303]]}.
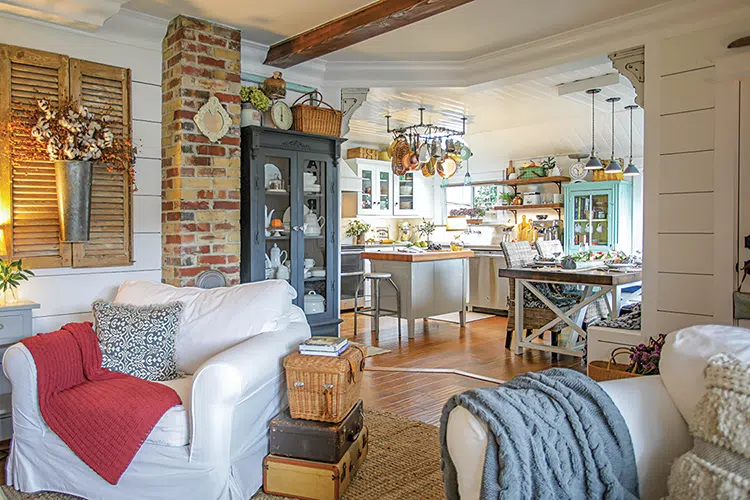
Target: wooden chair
{"points": [[518, 254]]}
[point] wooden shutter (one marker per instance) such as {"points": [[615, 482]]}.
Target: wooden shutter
{"points": [[28, 196], [106, 90]]}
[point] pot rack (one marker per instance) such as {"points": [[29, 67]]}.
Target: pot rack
{"points": [[425, 130]]}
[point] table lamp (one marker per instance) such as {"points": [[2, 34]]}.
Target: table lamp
{"points": [[457, 224]]}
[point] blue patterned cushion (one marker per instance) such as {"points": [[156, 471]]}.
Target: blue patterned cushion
{"points": [[138, 340]]}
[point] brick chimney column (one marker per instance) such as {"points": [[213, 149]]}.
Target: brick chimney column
{"points": [[200, 216]]}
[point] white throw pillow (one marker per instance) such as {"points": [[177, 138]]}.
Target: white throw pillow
{"points": [[216, 319], [685, 355]]}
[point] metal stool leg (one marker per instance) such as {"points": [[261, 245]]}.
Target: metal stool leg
{"points": [[508, 338], [376, 299], [356, 301], [398, 305]]}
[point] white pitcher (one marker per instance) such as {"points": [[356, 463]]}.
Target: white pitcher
{"points": [[314, 223], [276, 256]]}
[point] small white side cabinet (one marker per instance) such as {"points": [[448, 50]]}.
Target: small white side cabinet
{"points": [[15, 324]]}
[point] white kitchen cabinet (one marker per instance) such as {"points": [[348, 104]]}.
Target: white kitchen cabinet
{"points": [[384, 194]]}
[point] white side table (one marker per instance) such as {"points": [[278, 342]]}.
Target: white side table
{"points": [[15, 324]]}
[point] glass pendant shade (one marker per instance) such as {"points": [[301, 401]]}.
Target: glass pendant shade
{"points": [[631, 170], [467, 179], [593, 163], [613, 167]]}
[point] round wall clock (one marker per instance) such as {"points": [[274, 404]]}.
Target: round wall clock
{"points": [[578, 171], [281, 115]]}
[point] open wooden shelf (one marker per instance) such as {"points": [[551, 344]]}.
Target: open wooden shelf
{"points": [[560, 179], [513, 208]]}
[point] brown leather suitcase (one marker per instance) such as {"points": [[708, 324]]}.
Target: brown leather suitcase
{"points": [[312, 440], [309, 480]]}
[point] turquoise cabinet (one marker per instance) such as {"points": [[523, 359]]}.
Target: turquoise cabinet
{"points": [[599, 214]]}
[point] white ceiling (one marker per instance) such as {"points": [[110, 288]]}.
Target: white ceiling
{"points": [[471, 30], [518, 118]]}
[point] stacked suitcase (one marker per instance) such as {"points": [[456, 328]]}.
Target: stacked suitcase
{"points": [[319, 442]]}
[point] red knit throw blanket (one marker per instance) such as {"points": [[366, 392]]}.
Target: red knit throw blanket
{"points": [[102, 416]]}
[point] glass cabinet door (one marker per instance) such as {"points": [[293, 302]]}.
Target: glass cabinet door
{"points": [[313, 280], [581, 223], [368, 203], [280, 182], [384, 190], [600, 220], [405, 192]]}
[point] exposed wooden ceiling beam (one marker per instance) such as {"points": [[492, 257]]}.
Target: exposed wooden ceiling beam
{"points": [[369, 21]]}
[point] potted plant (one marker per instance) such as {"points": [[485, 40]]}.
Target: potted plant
{"points": [[506, 198], [72, 137], [11, 275], [254, 103], [426, 228], [473, 215], [357, 229]]}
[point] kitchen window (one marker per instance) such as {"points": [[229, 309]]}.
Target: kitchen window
{"points": [[470, 197]]}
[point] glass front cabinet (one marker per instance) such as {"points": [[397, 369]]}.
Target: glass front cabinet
{"points": [[598, 215], [290, 218]]}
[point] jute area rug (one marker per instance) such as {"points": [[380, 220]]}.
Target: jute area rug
{"points": [[403, 463]]}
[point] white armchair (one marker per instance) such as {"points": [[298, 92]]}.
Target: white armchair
{"points": [[656, 409], [210, 447]]}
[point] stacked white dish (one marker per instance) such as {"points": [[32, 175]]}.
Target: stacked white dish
{"points": [[311, 185]]}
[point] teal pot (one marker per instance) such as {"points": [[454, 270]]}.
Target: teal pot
{"points": [[73, 179]]}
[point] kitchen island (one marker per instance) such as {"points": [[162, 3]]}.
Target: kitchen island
{"points": [[431, 283]]}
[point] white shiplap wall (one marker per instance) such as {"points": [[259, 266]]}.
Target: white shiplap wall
{"points": [[134, 42], [692, 230]]}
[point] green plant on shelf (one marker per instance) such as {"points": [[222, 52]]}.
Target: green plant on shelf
{"points": [[255, 97]]}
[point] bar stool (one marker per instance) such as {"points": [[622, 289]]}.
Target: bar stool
{"points": [[375, 310]]}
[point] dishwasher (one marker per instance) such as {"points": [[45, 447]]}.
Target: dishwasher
{"points": [[487, 291]]}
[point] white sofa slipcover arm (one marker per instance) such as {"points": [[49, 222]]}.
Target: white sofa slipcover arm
{"points": [[19, 367], [657, 429], [231, 377]]}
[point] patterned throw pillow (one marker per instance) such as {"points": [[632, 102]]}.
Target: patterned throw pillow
{"points": [[138, 340]]}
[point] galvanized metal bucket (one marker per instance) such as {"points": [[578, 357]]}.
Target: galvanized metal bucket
{"points": [[73, 180]]}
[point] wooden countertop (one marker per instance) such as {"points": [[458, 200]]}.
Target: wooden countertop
{"points": [[418, 257]]}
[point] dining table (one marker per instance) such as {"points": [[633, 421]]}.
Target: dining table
{"points": [[596, 282]]}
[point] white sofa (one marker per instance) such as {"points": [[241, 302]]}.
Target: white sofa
{"points": [[657, 410], [210, 447]]}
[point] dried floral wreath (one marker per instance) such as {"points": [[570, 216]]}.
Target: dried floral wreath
{"points": [[70, 132]]}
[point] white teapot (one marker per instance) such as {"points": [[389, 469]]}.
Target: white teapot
{"points": [[276, 256], [313, 223]]}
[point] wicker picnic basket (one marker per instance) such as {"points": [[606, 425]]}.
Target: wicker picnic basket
{"points": [[324, 388], [601, 371], [314, 118]]}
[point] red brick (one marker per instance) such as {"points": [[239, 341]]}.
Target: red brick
{"points": [[211, 150], [212, 40], [226, 205], [205, 194], [197, 138], [192, 70], [223, 226], [212, 259], [191, 271], [229, 270], [194, 205], [198, 161], [233, 259], [229, 33], [232, 141], [182, 113], [228, 98], [210, 61]]}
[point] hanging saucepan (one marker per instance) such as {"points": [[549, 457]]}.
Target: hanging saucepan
{"points": [[410, 161], [424, 152], [399, 151], [428, 169], [447, 167], [396, 141]]}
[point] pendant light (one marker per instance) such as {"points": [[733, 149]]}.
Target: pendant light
{"points": [[593, 163], [467, 177], [631, 169], [614, 166]]}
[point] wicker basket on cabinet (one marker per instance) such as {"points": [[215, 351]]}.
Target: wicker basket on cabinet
{"points": [[314, 118], [324, 388]]}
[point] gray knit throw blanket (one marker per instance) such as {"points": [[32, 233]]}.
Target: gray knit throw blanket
{"points": [[551, 435]]}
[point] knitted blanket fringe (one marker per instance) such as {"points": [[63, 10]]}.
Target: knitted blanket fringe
{"points": [[551, 435], [103, 416]]}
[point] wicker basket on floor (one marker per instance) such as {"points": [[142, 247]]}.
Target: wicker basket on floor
{"points": [[314, 118], [601, 371], [324, 388]]}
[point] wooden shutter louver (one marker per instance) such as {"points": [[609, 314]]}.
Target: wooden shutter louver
{"points": [[25, 76], [106, 90]]}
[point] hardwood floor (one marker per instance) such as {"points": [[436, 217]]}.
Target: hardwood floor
{"points": [[477, 348]]}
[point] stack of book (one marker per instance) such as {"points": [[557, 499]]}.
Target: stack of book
{"points": [[324, 346]]}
